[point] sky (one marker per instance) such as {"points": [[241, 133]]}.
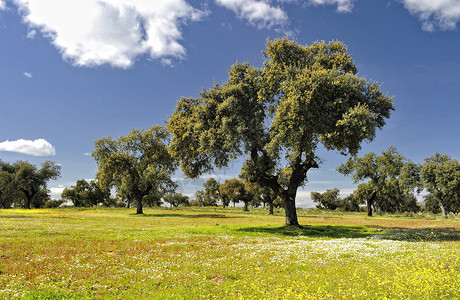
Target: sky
{"points": [[74, 71]]}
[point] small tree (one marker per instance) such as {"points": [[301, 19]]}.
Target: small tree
{"points": [[441, 178], [211, 192], [391, 178], [278, 115], [139, 164], [32, 182], [327, 200], [176, 199], [8, 191], [86, 194]]}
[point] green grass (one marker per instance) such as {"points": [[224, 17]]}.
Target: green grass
{"points": [[207, 253]]}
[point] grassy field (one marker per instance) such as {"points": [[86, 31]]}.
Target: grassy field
{"points": [[225, 254]]}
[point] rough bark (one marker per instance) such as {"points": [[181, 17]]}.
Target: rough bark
{"points": [[290, 212], [139, 207], [288, 195], [370, 201]]}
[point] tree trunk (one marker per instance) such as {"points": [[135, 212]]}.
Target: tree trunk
{"points": [[443, 209], [290, 211], [246, 206], [128, 203], [270, 211], [28, 200], [370, 201], [139, 207]]}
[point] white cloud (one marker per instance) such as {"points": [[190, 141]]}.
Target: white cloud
{"points": [[114, 32], [27, 74], [342, 5], [258, 13], [2, 5], [442, 14], [57, 190], [38, 147]]}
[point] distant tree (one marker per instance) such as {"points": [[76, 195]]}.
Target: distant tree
{"points": [[235, 191], [277, 115], [268, 196], [231, 190], [31, 182], [176, 199], [431, 204], [138, 164], [392, 179], [199, 198], [440, 176], [350, 203], [327, 200], [8, 192], [211, 192], [86, 193]]}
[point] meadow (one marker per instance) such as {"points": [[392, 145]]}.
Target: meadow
{"points": [[215, 253]]}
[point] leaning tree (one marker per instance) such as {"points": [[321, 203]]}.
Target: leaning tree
{"points": [[278, 114], [138, 164]]}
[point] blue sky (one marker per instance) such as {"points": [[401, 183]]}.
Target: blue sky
{"points": [[74, 71]]}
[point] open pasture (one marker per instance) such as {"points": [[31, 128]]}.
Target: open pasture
{"points": [[192, 253]]}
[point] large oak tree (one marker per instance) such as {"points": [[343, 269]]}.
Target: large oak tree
{"points": [[278, 114]]}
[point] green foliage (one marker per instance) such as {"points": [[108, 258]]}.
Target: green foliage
{"points": [[392, 179], [278, 114], [176, 199], [329, 200], [87, 194], [441, 178], [138, 165], [22, 184], [211, 192]]}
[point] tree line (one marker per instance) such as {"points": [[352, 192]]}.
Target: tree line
{"points": [[276, 116]]}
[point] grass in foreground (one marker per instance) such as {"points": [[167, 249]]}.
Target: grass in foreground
{"points": [[215, 253]]}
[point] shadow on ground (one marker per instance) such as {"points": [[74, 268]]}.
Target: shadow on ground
{"points": [[328, 231], [194, 216]]}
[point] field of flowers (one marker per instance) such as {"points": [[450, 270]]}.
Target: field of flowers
{"points": [[226, 254]]}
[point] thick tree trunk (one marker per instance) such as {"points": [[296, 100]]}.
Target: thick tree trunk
{"points": [[28, 200], [128, 203], [246, 206], [290, 212], [139, 207], [370, 201], [270, 211]]}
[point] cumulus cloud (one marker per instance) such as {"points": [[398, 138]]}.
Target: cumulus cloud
{"points": [[57, 190], [27, 74], [258, 13], [2, 5], [442, 14], [343, 6], [114, 32], [39, 147]]}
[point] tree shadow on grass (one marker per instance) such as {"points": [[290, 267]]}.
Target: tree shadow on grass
{"points": [[194, 216], [326, 231], [386, 233], [422, 234]]}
